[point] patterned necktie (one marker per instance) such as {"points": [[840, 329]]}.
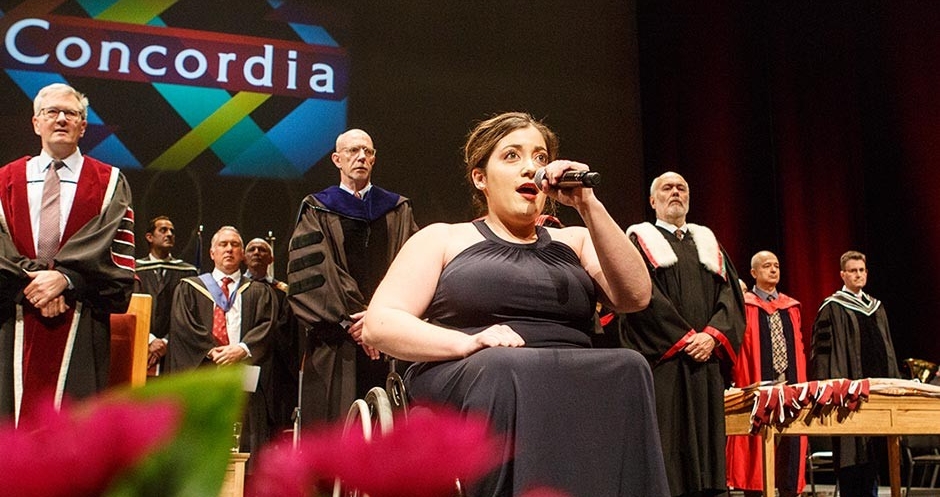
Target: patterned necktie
{"points": [[778, 343], [219, 328], [680, 234], [49, 215], [357, 195]]}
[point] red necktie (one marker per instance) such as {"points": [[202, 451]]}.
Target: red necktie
{"points": [[219, 329]]}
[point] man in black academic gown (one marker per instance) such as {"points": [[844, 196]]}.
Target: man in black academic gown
{"points": [[690, 333], [345, 239], [278, 381], [157, 275], [221, 318], [851, 339]]}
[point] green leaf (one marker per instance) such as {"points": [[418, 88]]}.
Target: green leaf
{"points": [[195, 461]]}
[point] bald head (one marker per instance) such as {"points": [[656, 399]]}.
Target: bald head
{"points": [[259, 241], [765, 268], [354, 157], [258, 256], [350, 136]]}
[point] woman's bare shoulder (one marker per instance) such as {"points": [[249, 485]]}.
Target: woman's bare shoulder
{"points": [[451, 238], [437, 230], [447, 235], [572, 236]]}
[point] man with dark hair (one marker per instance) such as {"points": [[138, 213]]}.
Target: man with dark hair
{"points": [[345, 239], [157, 275], [690, 333], [772, 351], [851, 339], [66, 262]]}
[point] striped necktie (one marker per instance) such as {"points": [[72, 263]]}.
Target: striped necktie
{"points": [[778, 342], [50, 215]]}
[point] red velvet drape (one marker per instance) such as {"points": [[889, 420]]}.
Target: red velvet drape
{"points": [[806, 128]]}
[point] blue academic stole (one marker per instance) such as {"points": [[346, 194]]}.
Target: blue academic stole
{"points": [[216, 291]]}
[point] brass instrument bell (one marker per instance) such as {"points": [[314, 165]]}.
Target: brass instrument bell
{"points": [[921, 370]]}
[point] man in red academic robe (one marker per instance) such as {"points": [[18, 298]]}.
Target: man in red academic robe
{"points": [[772, 350], [66, 263]]}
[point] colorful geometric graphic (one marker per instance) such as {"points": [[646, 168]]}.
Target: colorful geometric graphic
{"points": [[177, 84]]}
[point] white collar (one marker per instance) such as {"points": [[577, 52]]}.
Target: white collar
{"points": [[217, 275], [671, 227], [660, 254], [72, 162], [362, 193]]}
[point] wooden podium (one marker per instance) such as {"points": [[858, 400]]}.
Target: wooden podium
{"points": [[883, 415], [234, 483]]}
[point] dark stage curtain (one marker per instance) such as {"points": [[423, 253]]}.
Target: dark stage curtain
{"points": [[806, 128]]}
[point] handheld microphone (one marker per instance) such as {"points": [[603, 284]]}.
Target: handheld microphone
{"points": [[571, 179]]}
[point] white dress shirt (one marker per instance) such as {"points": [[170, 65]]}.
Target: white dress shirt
{"points": [[36, 168]]}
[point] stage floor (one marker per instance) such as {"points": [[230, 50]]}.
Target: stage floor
{"points": [[885, 491]]}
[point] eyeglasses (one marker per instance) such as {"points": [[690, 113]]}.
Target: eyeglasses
{"points": [[53, 113], [354, 151]]}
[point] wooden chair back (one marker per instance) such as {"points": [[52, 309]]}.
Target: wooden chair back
{"points": [[130, 334]]}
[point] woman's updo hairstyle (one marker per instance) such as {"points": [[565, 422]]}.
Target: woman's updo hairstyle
{"points": [[483, 139]]}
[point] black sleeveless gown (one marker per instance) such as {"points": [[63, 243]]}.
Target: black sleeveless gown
{"points": [[573, 418]]}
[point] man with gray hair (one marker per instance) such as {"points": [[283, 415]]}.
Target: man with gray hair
{"points": [[690, 333], [851, 339], [66, 262], [221, 318], [344, 241], [772, 350]]}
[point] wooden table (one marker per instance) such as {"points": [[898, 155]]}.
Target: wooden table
{"points": [[883, 415], [234, 483]]}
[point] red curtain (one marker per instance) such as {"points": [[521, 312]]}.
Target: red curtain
{"points": [[808, 129]]}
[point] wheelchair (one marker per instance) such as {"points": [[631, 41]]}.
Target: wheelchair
{"points": [[377, 411]]}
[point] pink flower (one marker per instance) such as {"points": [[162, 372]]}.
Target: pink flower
{"points": [[78, 452], [280, 471], [422, 457]]}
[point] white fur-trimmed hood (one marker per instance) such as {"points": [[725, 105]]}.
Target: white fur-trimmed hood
{"points": [[660, 253]]}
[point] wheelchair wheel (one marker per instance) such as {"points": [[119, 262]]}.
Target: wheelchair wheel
{"points": [[373, 411], [395, 387], [380, 409], [358, 412]]}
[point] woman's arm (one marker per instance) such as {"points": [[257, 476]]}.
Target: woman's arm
{"points": [[605, 250], [393, 321]]}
